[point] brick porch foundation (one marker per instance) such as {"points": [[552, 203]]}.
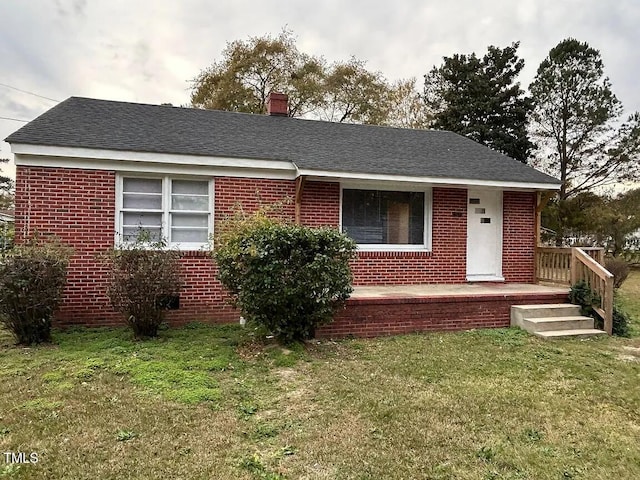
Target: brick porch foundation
{"points": [[371, 317]]}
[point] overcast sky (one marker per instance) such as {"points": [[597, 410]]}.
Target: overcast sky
{"points": [[148, 50]]}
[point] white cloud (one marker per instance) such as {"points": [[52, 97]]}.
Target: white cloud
{"points": [[148, 50]]}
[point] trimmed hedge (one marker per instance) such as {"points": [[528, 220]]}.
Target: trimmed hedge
{"points": [[288, 278]]}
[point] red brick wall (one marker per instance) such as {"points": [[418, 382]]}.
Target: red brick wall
{"points": [[366, 317], [320, 204], [518, 242], [78, 206], [251, 193], [446, 263]]}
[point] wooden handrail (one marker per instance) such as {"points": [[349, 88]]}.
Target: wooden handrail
{"points": [[569, 265], [599, 279]]}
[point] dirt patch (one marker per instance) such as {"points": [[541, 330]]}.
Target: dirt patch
{"points": [[631, 354]]}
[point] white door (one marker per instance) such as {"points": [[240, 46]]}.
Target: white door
{"points": [[484, 235]]}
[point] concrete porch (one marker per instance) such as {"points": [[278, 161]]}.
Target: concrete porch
{"points": [[396, 309], [455, 290]]}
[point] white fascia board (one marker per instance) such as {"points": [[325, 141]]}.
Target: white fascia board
{"points": [[153, 167], [374, 178], [73, 153]]}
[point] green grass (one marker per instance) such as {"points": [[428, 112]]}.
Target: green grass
{"points": [[629, 297], [209, 402]]}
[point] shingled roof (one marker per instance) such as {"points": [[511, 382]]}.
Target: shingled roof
{"points": [[311, 145]]}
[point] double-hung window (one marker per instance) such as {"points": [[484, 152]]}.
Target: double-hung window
{"points": [[177, 210], [387, 219]]}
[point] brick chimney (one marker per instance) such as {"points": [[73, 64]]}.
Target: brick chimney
{"points": [[277, 104]]}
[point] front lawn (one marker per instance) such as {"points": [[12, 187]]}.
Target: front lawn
{"points": [[206, 402]]}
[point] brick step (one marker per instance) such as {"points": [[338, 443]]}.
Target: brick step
{"points": [[521, 312], [557, 323], [575, 333]]}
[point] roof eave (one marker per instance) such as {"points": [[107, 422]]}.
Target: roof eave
{"points": [[410, 179]]}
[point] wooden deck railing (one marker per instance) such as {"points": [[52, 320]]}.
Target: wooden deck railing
{"points": [[553, 265], [570, 265]]}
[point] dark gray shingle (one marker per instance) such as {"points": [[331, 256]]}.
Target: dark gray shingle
{"points": [[314, 145]]}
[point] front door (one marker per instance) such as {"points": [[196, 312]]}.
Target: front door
{"points": [[484, 235]]}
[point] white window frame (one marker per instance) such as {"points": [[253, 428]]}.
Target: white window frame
{"points": [[166, 208], [395, 187]]}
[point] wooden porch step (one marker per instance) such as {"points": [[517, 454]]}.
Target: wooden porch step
{"points": [[557, 323], [574, 333]]}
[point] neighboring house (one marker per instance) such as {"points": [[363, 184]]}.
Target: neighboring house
{"points": [[426, 207]]}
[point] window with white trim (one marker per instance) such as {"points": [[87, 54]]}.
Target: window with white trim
{"points": [[386, 219], [179, 210]]}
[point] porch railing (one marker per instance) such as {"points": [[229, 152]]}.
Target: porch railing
{"points": [[599, 279], [553, 265], [570, 265]]}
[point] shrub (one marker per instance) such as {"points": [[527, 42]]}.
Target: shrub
{"points": [[621, 322], [32, 279], [144, 277], [288, 278], [7, 238], [620, 269], [581, 294]]}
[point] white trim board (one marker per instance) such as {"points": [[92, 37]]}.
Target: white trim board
{"points": [[124, 160], [376, 178], [151, 168], [148, 157]]}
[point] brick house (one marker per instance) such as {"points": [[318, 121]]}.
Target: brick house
{"points": [[426, 207]]}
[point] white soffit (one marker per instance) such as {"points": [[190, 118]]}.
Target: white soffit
{"points": [[374, 179]]}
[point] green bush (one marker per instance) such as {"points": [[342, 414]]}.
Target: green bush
{"points": [[581, 294], [288, 278], [32, 279], [620, 269], [621, 322], [144, 277], [7, 237]]}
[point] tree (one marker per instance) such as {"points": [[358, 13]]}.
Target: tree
{"points": [[618, 220], [250, 70], [354, 94], [406, 107], [6, 189], [480, 98], [575, 217], [574, 121], [609, 220]]}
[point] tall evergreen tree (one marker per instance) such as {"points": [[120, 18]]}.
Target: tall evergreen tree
{"points": [[576, 121], [482, 99]]}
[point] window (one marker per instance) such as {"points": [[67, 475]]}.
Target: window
{"points": [[385, 220], [178, 210]]}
